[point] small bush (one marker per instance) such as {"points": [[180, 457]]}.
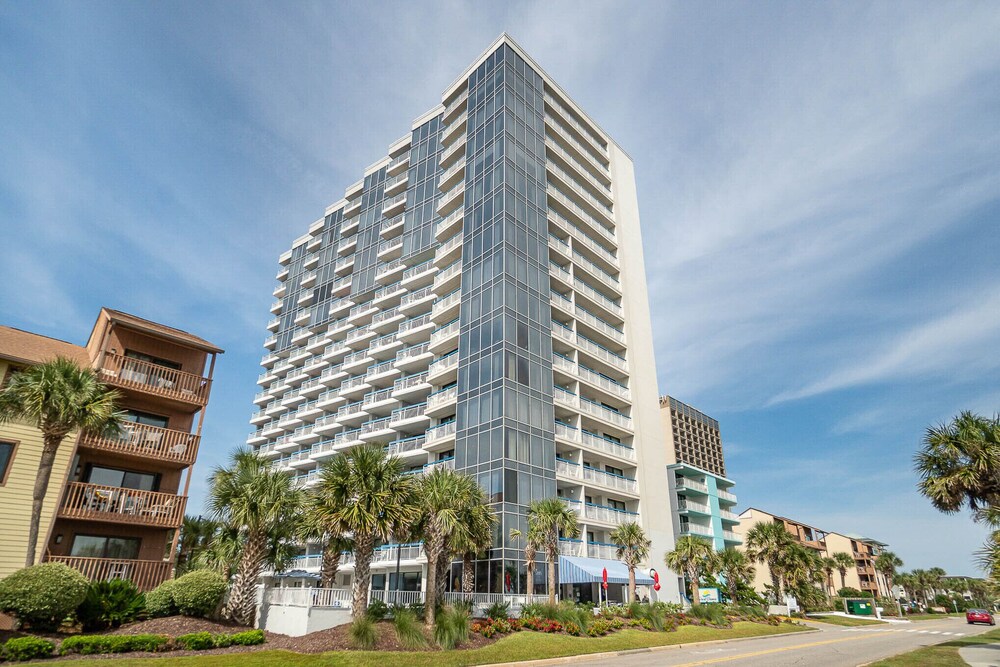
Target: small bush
{"points": [[542, 624], [43, 595], [20, 649], [196, 641], [109, 604], [362, 633], [408, 629], [95, 644], [498, 610], [451, 627], [572, 629], [160, 600], [599, 628], [714, 614], [199, 593], [247, 638], [568, 612], [540, 610], [377, 610]]}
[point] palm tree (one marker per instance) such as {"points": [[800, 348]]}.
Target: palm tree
{"points": [[57, 397], [633, 548], [960, 463], [532, 542], [548, 518], [260, 505], [366, 493], [334, 542], [766, 543], [737, 569], [478, 521], [886, 564], [690, 557], [197, 534], [222, 551], [829, 566], [845, 561]]}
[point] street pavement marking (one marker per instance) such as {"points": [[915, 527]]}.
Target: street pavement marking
{"points": [[712, 661]]}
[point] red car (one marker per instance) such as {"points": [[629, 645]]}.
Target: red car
{"points": [[979, 616]]}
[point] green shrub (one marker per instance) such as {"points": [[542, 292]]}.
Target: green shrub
{"points": [[498, 610], [568, 612], [95, 644], [108, 604], [43, 595], [408, 629], [377, 610], [222, 641], [572, 628], [599, 628], [247, 638], [20, 649], [712, 613], [540, 610], [199, 593], [160, 600], [362, 633], [451, 626], [196, 641]]}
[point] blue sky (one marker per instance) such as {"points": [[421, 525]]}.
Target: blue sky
{"points": [[819, 188]]}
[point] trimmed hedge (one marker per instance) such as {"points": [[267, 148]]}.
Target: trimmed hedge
{"points": [[247, 638], [93, 644], [199, 593], [21, 649], [160, 600], [43, 595]]}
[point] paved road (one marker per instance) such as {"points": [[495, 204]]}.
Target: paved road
{"points": [[833, 646]]}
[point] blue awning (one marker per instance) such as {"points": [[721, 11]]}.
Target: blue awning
{"points": [[577, 570]]}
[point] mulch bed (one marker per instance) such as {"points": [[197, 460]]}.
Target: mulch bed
{"points": [[338, 639]]}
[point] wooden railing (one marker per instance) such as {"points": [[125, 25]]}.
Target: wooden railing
{"points": [[123, 371], [147, 441], [118, 505], [145, 574]]}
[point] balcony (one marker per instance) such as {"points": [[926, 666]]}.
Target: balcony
{"points": [[442, 434], [685, 506], [443, 370], [391, 249], [610, 480], [451, 200], [94, 502], [396, 184], [685, 484], [143, 376], [568, 547], [145, 574], [446, 308], [148, 442], [398, 164], [445, 337], [602, 550], [445, 229], [726, 497], [442, 402], [695, 529], [394, 205]]}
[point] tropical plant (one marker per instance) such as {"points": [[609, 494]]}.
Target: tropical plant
{"points": [[57, 397], [365, 493], [959, 463], [42, 595], [108, 604], [532, 542], [633, 548], [845, 561], [829, 567], [451, 626], [259, 503], [362, 632], [197, 533], [886, 564], [737, 569], [455, 515], [767, 543], [689, 557], [318, 523], [547, 519], [408, 630], [476, 536]]}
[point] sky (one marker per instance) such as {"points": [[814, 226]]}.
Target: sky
{"points": [[819, 187]]}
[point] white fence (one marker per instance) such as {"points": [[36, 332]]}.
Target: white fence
{"points": [[397, 597]]}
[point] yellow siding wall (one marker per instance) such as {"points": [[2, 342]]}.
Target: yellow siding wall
{"points": [[15, 495]]}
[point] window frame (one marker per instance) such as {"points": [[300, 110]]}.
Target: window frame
{"points": [[5, 473]]}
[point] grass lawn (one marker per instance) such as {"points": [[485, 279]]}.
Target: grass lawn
{"points": [[942, 655], [518, 646], [843, 620], [933, 617]]}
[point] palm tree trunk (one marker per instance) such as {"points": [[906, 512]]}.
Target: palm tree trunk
{"points": [[48, 457], [731, 582], [529, 557], [631, 583], [693, 576], [775, 582], [434, 549], [843, 578], [550, 558], [330, 565], [363, 547], [242, 601], [444, 563], [468, 583]]}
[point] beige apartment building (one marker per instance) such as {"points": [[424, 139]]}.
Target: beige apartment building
{"points": [[862, 576], [114, 504]]}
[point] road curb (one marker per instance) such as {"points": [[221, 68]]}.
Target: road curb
{"points": [[569, 659]]}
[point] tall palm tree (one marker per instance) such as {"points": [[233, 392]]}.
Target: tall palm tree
{"points": [[222, 552], [366, 493], [845, 561], [261, 505], [57, 397], [456, 518], [690, 556], [767, 543], [532, 542], [549, 518], [633, 548], [960, 463], [196, 534], [331, 537], [736, 568], [886, 564], [478, 522], [829, 566]]}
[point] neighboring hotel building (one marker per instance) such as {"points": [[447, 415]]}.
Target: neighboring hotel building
{"points": [[697, 475], [114, 505], [864, 550], [478, 301]]}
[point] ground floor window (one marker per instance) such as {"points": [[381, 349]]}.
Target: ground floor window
{"points": [[99, 546]]}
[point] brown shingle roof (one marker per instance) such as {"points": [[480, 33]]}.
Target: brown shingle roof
{"points": [[31, 348], [157, 329]]}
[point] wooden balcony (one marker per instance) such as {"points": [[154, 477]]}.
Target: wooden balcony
{"points": [[145, 574], [94, 502], [149, 442], [137, 375]]}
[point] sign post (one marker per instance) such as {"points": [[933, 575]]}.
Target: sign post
{"points": [[604, 585]]}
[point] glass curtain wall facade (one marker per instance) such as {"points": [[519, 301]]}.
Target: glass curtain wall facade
{"points": [[465, 305]]}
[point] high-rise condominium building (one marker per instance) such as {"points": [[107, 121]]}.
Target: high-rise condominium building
{"points": [[115, 502], [478, 301], [693, 437]]}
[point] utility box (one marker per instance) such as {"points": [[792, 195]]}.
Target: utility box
{"points": [[860, 607]]}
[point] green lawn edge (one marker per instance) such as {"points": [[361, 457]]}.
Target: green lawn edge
{"points": [[940, 655], [516, 647], [843, 621]]}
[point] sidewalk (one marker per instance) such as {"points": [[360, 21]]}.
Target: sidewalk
{"points": [[984, 655]]}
